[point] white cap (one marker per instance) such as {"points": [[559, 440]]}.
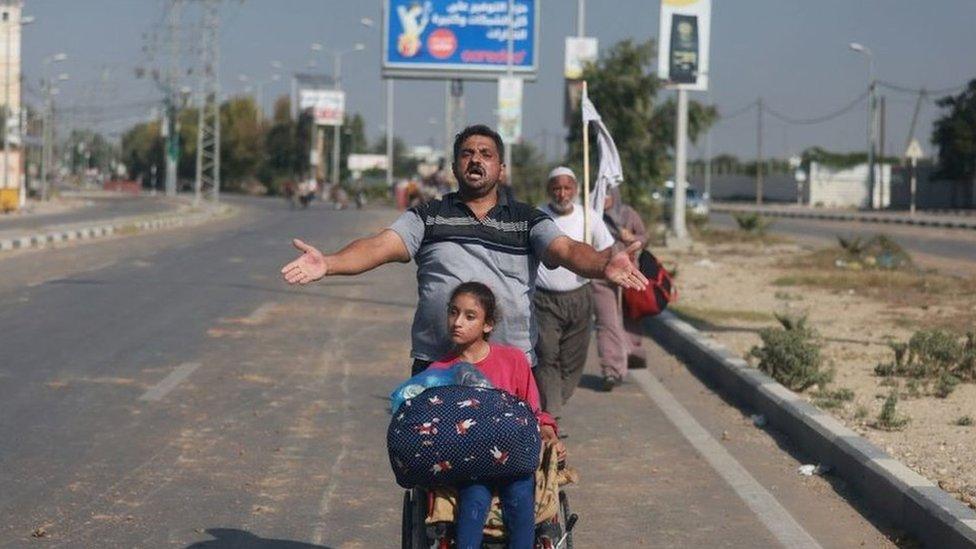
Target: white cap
{"points": [[561, 170]]}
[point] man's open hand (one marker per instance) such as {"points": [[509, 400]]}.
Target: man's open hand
{"points": [[309, 267], [622, 271]]}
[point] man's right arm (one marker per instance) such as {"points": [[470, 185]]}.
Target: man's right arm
{"points": [[357, 257], [368, 253]]}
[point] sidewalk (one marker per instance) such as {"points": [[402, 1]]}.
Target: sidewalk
{"points": [[957, 219]]}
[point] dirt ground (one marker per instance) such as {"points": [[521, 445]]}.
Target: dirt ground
{"points": [[730, 288]]}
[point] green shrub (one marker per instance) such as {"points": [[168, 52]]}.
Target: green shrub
{"points": [[752, 222], [965, 421], [791, 354], [888, 419], [945, 384], [932, 356]]}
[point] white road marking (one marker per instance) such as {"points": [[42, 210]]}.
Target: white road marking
{"points": [[161, 389], [325, 502], [773, 515]]}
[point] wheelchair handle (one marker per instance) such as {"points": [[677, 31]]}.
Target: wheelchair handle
{"points": [[570, 523]]}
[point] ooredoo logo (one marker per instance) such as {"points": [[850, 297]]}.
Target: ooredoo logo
{"points": [[442, 43]]}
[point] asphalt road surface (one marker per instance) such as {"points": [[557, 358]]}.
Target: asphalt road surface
{"points": [[168, 390], [955, 247], [97, 208]]}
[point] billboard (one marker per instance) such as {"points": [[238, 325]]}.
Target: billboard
{"points": [[510, 108], [328, 106], [363, 162], [441, 39], [683, 39]]}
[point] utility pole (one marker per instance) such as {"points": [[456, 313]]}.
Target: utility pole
{"points": [[759, 152], [389, 133], [337, 75], [881, 155], [172, 98], [207, 181], [872, 121], [580, 18]]}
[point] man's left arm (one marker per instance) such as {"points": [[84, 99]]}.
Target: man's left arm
{"points": [[581, 258]]}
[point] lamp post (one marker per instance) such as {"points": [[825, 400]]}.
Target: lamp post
{"points": [[337, 80], [369, 23], [47, 156], [860, 48]]}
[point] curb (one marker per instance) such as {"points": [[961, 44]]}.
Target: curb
{"points": [[863, 218], [90, 232], [904, 498]]}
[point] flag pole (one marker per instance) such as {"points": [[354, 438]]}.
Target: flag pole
{"points": [[586, 174]]}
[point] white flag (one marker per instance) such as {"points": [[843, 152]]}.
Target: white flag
{"points": [[610, 173]]}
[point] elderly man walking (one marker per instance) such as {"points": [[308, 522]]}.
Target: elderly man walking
{"points": [[563, 301]]}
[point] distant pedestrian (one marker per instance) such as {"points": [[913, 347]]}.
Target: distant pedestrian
{"points": [[563, 302], [618, 340]]}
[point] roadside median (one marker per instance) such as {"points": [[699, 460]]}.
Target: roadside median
{"points": [[903, 497], [895, 218], [185, 215]]}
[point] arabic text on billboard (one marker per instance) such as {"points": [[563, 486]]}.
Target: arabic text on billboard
{"points": [[452, 36], [328, 106]]}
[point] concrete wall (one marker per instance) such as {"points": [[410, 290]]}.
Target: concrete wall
{"points": [[931, 193], [848, 188], [776, 187]]}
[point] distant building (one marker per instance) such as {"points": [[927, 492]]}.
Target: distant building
{"points": [[12, 193]]}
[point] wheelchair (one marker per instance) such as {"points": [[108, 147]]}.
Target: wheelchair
{"points": [[428, 514]]}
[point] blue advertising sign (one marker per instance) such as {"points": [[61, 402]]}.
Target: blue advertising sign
{"points": [[459, 39]]}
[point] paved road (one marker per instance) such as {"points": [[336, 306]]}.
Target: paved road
{"points": [[167, 390], [952, 245], [99, 209]]}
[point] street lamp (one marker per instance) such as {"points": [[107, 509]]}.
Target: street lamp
{"points": [[369, 23], [861, 48], [337, 82], [47, 156]]}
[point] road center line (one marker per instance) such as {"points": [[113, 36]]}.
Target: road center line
{"points": [[773, 515], [168, 383]]}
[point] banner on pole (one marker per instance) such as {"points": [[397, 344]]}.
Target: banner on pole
{"points": [[510, 108], [683, 40], [328, 106], [579, 52]]}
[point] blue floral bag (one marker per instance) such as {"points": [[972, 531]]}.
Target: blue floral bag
{"points": [[454, 434]]}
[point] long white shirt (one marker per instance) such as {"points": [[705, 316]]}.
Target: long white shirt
{"points": [[562, 279]]}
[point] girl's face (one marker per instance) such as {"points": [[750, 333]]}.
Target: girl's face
{"points": [[466, 320]]}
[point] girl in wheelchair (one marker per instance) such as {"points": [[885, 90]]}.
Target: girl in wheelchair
{"points": [[472, 314]]}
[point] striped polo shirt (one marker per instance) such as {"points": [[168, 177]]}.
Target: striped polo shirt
{"points": [[451, 246]]}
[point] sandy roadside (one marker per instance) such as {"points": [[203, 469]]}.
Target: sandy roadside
{"points": [[731, 290]]}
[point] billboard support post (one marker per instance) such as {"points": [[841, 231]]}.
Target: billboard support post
{"points": [[678, 226]]}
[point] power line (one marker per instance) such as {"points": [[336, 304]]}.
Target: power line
{"points": [[817, 119], [914, 91], [737, 112]]}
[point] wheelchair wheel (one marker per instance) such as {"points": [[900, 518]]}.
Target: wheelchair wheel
{"points": [[406, 522]]}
